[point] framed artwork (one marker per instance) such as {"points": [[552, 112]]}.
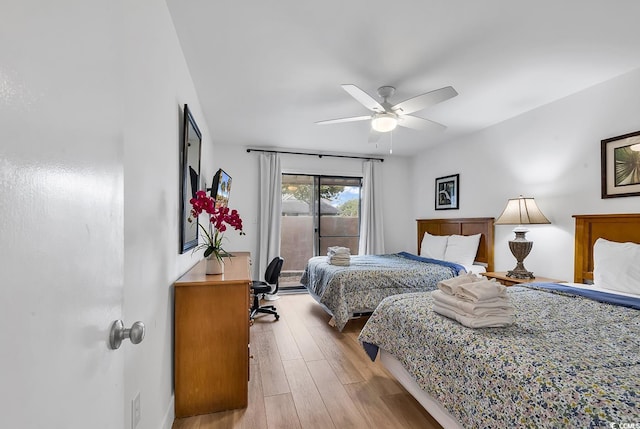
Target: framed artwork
{"points": [[190, 179], [620, 157], [448, 192]]}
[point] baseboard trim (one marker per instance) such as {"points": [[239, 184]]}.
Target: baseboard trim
{"points": [[170, 414]]}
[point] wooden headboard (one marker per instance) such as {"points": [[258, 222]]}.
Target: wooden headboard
{"points": [[463, 226], [613, 227]]}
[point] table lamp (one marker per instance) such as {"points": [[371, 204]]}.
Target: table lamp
{"points": [[521, 211]]}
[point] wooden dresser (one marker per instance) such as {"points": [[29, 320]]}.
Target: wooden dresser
{"points": [[212, 338]]}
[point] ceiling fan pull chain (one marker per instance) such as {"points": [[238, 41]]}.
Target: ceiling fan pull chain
{"points": [[391, 145]]}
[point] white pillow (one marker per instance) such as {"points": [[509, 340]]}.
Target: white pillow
{"points": [[433, 246], [616, 266], [462, 249], [475, 269]]}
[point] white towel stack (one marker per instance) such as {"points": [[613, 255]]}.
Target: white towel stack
{"points": [[473, 301], [339, 255]]}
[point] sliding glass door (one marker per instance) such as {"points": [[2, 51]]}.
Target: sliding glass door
{"points": [[298, 222], [317, 212], [339, 214]]}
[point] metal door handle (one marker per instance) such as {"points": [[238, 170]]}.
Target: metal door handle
{"points": [[119, 332]]}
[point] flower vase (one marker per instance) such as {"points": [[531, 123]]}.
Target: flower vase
{"points": [[214, 265]]}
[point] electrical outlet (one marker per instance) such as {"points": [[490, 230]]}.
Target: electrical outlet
{"points": [[136, 413]]}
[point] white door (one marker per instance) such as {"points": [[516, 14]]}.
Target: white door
{"points": [[61, 214]]}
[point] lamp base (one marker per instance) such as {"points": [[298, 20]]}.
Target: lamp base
{"points": [[520, 274], [520, 248]]}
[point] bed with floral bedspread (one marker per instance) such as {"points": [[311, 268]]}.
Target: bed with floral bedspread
{"points": [[568, 361], [359, 287]]}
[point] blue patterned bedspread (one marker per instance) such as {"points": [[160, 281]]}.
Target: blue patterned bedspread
{"points": [[568, 361], [369, 279]]}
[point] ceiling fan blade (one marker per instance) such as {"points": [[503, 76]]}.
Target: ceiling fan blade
{"points": [[425, 100], [341, 120], [363, 98], [420, 124]]}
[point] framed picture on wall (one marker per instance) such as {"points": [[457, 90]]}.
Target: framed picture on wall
{"points": [[620, 172], [190, 149], [448, 192]]}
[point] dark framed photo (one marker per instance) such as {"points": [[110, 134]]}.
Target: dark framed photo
{"points": [[190, 149], [448, 192], [620, 157]]}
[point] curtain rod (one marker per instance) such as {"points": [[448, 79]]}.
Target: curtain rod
{"points": [[319, 155]]}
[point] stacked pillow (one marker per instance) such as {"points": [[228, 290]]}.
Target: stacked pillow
{"points": [[433, 246], [460, 249], [616, 266]]}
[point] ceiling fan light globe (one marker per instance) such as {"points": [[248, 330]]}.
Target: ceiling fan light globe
{"points": [[384, 122]]}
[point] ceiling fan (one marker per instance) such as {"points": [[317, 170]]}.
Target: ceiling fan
{"points": [[387, 116]]}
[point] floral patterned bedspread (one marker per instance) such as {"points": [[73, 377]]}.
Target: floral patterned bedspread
{"points": [[369, 279], [567, 361]]}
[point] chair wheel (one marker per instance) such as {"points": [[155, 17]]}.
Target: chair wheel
{"points": [[277, 317]]}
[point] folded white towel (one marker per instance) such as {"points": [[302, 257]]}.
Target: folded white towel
{"points": [[480, 291], [500, 306], [474, 322], [341, 262], [339, 256], [450, 286], [338, 250], [342, 259]]}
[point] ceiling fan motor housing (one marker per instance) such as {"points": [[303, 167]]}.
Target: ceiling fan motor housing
{"points": [[386, 92]]}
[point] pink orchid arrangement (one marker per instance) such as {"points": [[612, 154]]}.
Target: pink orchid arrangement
{"points": [[219, 218]]}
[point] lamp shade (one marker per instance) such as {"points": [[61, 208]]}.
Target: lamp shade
{"points": [[384, 122], [521, 211]]}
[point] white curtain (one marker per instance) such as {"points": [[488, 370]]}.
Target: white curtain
{"points": [[371, 233], [270, 209]]}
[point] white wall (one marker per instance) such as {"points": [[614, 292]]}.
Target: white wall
{"points": [[399, 226], [551, 154], [158, 84]]}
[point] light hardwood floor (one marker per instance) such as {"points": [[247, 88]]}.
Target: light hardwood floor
{"points": [[306, 374]]}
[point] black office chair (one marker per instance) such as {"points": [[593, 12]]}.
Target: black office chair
{"points": [[268, 286]]}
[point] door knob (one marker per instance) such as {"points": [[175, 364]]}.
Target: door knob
{"points": [[119, 332]]}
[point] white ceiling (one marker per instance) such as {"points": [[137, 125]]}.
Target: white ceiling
{"points": [[265, 71]]}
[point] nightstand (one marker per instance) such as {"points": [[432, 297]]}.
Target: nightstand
{"points": [[510, 281]]}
